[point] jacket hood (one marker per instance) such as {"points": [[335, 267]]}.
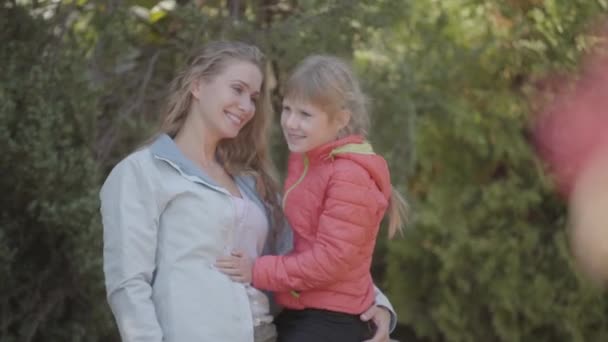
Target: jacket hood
{"points": [[355, 148]]}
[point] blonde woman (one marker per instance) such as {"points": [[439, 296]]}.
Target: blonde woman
{"points": [[200, 190]]}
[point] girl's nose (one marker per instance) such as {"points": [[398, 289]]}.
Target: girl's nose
{"points": [[289, 120]]}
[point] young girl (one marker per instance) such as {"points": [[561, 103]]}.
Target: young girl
{"points": [[336, 193]]}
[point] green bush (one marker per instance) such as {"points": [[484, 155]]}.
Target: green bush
{"points": [[486, 258], [50, 237]]}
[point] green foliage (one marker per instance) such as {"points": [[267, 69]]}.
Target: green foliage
{"points": [[50, 251], [485, 257]]}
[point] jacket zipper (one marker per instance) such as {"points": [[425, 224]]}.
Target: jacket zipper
{"points": [[306, 162], [295, 293], [195, 179]]}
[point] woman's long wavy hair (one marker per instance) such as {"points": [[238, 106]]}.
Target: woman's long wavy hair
{"points": [[248, 153]]}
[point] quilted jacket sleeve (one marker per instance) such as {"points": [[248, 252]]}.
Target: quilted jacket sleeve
{"points": [[348, 222], [130, 217]]}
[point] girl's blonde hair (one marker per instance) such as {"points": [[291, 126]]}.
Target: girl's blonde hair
{"points": [[248, 152], [330, 83]]}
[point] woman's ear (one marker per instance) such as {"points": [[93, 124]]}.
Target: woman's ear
{"points": [[195, 89]]}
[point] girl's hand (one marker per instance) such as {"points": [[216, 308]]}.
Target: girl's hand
{"points": [[237, 266]]}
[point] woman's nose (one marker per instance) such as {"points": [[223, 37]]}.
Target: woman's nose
{"points": [[246, 105]]}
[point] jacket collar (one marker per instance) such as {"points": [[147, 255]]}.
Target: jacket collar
{"points": [[349, 144], [165, 148]]}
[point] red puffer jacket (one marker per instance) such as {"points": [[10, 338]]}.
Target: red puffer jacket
{"points": [[335, 197]]}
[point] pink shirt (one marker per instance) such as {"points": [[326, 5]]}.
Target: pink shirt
{"points": [[250, 236]]}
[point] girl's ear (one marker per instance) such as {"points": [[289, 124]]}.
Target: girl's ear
{"points": [[343, 118]]}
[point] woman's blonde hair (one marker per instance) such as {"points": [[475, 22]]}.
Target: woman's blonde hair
{"points": [[330, 83], [249, 151]]}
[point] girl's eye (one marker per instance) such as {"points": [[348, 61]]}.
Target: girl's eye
{"points": [[237, 89], [306, 114]]}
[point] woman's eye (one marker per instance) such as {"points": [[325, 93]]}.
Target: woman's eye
{"points": [[237, 89], [306, 114]]}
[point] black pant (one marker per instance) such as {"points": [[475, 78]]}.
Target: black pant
{"points": [[314, 325]]}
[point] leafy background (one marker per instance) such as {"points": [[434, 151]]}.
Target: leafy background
{"points": [[454, 83]]}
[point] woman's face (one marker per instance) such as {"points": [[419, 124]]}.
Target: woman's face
{"points": [[227, 101]]}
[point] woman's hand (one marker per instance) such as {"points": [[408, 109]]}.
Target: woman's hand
{"points": [[382, 319], [237, 266]]}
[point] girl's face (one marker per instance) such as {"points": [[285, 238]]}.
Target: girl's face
{"points": [[307, 126], [227, 101]]}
